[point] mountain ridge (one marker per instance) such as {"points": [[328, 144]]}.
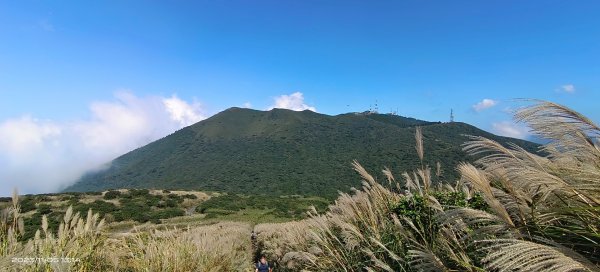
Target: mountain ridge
{"points": [[283, 152]]}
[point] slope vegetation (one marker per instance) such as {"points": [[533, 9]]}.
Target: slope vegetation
{"points": [[282, 152]]}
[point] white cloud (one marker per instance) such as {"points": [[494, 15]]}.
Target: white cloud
{"points": [[182, 112], [485, 104], [247, 105], [568, 88], [25, 134], [293, 101], [44, 155], [510, 129]]}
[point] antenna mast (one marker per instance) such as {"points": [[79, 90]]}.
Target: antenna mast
{"points": [[451, 115]]}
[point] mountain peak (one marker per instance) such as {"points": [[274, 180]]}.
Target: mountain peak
{"points": [[282, 152]]}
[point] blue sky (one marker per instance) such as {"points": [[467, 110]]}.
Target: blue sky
{"points": [[71, 64]]}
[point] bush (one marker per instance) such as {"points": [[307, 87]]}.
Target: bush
{"points": [[94, 193], [167, 213], [44, 209], [153, 200], [139, 192], [176, 198], [99, 206], [141, 217], [170, 203], [112, 195], [75, 194], [42, 198], [190, 196], [67, 198], [27, 204]]}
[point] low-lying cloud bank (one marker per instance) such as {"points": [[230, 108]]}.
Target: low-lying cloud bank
{"points": [[39, 156]]}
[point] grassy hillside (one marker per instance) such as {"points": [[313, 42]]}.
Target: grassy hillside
{"points": [[124, 208], [281, 152], [116, 206]]}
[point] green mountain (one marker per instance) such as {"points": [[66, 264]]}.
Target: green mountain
{"points": [[283, 152]]}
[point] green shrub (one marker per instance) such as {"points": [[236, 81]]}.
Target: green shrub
{"points": [[176, 198], [76, 194], [27, 204], [44, 209], [139, 192], [99, 206], [170, 203], [167, 213], [67, 198], [190, 196], [112, 195], [153, 200]]}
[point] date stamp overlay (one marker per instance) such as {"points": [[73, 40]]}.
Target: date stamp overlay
{"points": [[44, 260]]}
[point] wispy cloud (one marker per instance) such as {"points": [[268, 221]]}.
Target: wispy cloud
{"points": [[567, 88], [40, 155], [510, 129], [46, 26], [293, 101], [485, 104]]}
